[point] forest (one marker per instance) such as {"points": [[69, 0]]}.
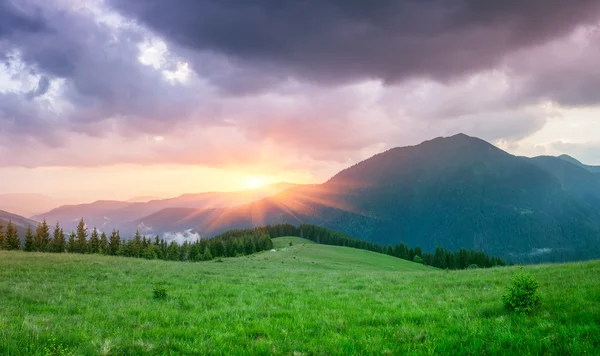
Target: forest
{"points": [[238, 242]]}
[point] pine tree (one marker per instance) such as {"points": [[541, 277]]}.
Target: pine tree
{"points": [[173, 251], [418, 251], [137, 245], [12, 241], [41, 240], [72, 244], [94, 245], [58, 240], [81, 237], [115, 243], [207, 255], [2, 237], [29, 240], [103, 244]]}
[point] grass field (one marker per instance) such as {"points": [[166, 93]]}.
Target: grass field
{"points": [[307, 300]]}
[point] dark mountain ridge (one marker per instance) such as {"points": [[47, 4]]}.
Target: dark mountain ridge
{"points": [[455, 192]]}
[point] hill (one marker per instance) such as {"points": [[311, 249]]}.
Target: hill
{"points": [[306, 253], [281, 303], [20, 222], [454, 192], [593, 169], [113, 214]]}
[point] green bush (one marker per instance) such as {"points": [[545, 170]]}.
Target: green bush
{"points": [[53, 348], [473, 266], [522, 294], [159, 291], [418, 259]]}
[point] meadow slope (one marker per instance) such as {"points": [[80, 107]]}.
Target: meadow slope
{"points": [[307, 300]]}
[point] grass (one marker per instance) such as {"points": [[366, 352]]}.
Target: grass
{"points": [[308, 300]]}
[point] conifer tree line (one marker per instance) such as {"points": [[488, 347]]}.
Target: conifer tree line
{"points": [[237, 242], [86, 241], [441, 258]]}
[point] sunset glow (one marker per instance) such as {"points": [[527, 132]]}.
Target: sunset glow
{"points": [[102, 100], [255, 182]]}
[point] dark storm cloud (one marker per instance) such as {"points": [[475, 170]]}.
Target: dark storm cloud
{"points": [[342, 40], [101, 74], [14, 18], [293, 71]]}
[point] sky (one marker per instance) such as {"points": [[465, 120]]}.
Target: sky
{"points": [[110, 99]]}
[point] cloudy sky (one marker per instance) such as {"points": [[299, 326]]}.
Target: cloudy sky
{"points": [[118, 98]]}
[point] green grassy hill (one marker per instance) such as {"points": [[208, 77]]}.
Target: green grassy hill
{"points": [[307, 300], [307, 254]]}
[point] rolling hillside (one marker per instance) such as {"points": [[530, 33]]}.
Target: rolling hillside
{"points": [[308, 299], [307, 254], [455, 192]]}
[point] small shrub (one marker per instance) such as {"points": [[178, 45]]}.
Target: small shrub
{"points": [[218, 260], [159, 291], [291, 244], [418, 259], [473, 266], [53, 348], [522, 294]]}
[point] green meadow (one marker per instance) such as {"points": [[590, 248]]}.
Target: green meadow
{"points": [[304, 299]]}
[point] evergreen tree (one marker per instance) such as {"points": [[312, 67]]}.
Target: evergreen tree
{"points": [[2, 237], [58, 240], [81, 237], [72, 244], [41, 240], [173, 251], [94, 244], [137, 245], [103, 244], [207, 255], [114, 243], [29, 240], [184, 251], [418, 251], [12, 241]]}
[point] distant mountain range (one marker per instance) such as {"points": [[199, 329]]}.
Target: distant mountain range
{"points": [[18, 221], [109, 214], [455, 192]]}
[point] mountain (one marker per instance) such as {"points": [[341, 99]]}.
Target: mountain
{"points": [[454, 192], [28, 204], [113, 214], [142, 199], [593, 169], [20, 222], [576, 179]]}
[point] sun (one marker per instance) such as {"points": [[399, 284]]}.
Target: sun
{"points": [[255, 182]]}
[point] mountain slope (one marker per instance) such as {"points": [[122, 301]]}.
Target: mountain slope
{"points": [[575, 179], [112, 214], [18, 221], [456, 192], [593, 169]]}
